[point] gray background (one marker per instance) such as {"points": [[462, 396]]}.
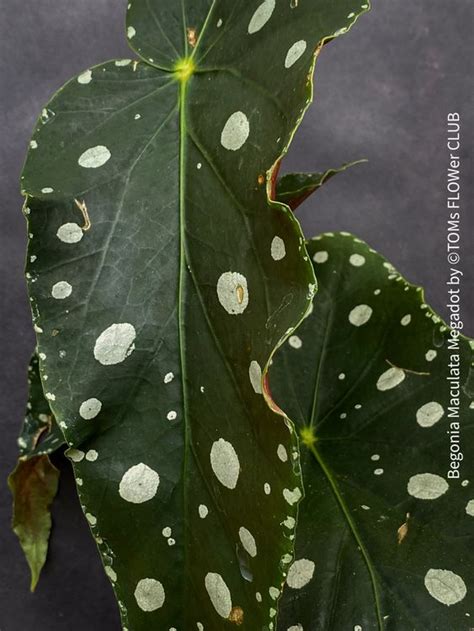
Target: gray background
{"points": [[382, 92]]}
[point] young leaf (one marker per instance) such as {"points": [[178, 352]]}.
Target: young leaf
{"points": [[34, 484], [384, 531], [162, 280], [293, 188], [34, 481]]}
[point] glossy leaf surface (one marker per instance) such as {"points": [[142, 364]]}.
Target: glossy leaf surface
{"points": [[162, 280], [293, 188], [385, 535]]}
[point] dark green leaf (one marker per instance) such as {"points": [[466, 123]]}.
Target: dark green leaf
{"points": [[388, 531], [162, 280], [293, 188], [40, 433], [34, 484]]}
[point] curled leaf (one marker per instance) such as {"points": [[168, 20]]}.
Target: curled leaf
{"points": [[293, 188]]}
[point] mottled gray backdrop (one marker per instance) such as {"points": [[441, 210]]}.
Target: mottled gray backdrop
{"points": [[382, 92]]}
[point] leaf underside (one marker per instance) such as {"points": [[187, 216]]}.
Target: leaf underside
{"points": [[386, 556], [162, 279], [34, 484]]}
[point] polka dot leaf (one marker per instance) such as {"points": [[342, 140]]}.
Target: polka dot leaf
{"points": [[154, 250], [386, 520]]}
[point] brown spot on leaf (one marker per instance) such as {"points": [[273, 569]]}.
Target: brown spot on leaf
{"points": [[261, 179], [236, 615], [240, 294], [403, 530], [192, 36]]}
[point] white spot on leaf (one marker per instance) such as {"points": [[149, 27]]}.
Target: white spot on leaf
{"points": [[115, 344], [357, 260], [300, 573], [278, 249], [111, 573], [427, 486], [255, 376], [295, 342], [235, 131], [61, 290], [360, 315], [76, 455], [219, 594], [225, 463], [261, 16], [248, 541], [139, 484], [282, 453], [90, 409], [295, 53], [149, 594], [289, 522], [430, 355], [292, 496], [94, 157], [203, 511], [321, 256], [274, 592], [85, 77], [405, 321], [429, 414], [168, 377], [390, 379], [232, 292], [445, 586], [131, 32], [70, 233]]}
